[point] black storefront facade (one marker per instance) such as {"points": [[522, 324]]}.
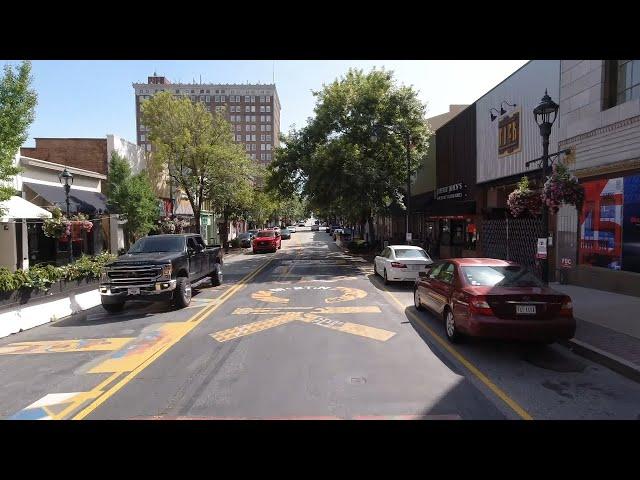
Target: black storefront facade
{"points": [[449, 215]]}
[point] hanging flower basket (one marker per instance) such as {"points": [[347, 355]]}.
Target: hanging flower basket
{"points": [[524, 200], [562, 187], [61, 228]]}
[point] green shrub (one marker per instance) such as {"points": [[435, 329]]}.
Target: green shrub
{"points": [[235, 243], [41, 277]]}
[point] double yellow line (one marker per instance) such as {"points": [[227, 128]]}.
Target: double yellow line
{"points": [[193, 322]]}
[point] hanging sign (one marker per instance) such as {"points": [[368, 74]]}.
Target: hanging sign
{"points": [[409, 237], [509, 134], [455, 190], [542, 248]]}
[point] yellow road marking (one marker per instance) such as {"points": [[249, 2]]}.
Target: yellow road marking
{"points": [[64, 346], [195, 320], [367, 309], [249, 328], [466, 363], [277, 310], [348, 294], [269, 297], [349, 327]]}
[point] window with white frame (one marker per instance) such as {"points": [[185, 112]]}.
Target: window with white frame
{"points": [[268, 138], [268, 128], [268, 108], [247, 146], [247, 118], [268, 146], [148, 147], [253, 138], [262, 138], [246, 99], [253, 99], [142, 137], [268, 118], [253, 118], [207, 98], [222, 98], [238, 128], [262, 146], [247, 108], [262, 128], [253, 146], [262, 118], [253, 109], [247, 138], [268, 98], [238, 138], [268, 156], [217, 98], [262, 99], [253, 128], [262, 156], [262, 109]]}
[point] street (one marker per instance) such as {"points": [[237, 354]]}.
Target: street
{"points": [[306, 333]]}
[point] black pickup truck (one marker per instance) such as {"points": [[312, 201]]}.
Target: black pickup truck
{"points": [[160, 268]]}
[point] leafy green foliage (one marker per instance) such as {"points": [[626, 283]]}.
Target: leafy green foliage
{"points": [[17, 106], [41, 277], [132, 197], [333, 162]]}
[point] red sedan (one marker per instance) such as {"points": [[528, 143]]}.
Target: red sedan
{"points": [[267, 241], [486, 297]]}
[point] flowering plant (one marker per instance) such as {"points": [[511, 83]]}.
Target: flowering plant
{"points": [[562, 187], [172, 225], [58, 226], [524, 199]]}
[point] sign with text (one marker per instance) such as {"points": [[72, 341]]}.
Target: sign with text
{"points": [[450, 191], [509, 134], [409, 237], [542, 248]]}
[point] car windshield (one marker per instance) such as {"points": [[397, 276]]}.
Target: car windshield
{"points": [[242, 236], [158, 244], [500, 276], [266, 233], [284, 230], [410, 253]]}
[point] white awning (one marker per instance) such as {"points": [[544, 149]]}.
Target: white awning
{"points": [[18, 207]]}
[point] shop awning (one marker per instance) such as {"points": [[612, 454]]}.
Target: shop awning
{"points": [[82, 201], [18, 207]]}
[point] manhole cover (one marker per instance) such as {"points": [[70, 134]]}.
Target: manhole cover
{"points": [[551, 359]]}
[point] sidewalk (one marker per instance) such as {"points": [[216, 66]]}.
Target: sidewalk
{"points": [[608, 328]]}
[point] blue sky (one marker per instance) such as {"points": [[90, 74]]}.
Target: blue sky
{"points": [[79, 99]]}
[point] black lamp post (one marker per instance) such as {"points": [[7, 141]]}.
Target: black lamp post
{"points": [[407, 138], [545, 114], [67, 177]]}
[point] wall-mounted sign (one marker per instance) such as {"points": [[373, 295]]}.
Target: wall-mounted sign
{"points": [[541, 251], [509, 134], [450, 191]]}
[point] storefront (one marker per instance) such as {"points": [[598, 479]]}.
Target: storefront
{"points": [[451, 228], [507, 138]]}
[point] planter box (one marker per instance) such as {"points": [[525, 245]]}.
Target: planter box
{"points": [[29, 296]]}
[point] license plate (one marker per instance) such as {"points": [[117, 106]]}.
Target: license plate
{"points": [[526, 309], [133, 291]]}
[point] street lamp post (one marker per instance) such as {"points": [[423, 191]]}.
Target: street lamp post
{"points": [[545, 114], [67, 177], [406, 134]]}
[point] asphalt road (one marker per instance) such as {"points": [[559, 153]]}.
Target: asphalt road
{"points": [[307, 332]]}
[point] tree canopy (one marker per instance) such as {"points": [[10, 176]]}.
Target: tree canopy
{"points": [[333, 162], [17, 106]]}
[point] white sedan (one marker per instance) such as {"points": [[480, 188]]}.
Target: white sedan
{"points": [[291, 228], [401, 263]]}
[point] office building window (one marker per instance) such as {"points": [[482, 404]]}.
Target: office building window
{"points": [[238, 138], [268, 98], [253, 99], [253, 146], [253, 108], [262, 138], [253, 138], [268, 138], [622, 82], [207, 91], [253, 118], [217, 98], [268, 146], [262, 99], [248, 147], [268, 156], [262, 156], [247, 109], [222, 97], [142, 137], [262, 147], [207, 98], [268, 128], [262, 118], [268, 108], [247, 118], [268, 118], [246, 99], [238, 128], [262, 128], [261, 108], [148, 147], [247, 138]]}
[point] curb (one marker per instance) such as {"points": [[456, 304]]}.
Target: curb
{"points": [[607, 359]]}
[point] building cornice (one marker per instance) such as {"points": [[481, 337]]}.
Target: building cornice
{"points": [[598, 131], [56, 166], [617, 167]]}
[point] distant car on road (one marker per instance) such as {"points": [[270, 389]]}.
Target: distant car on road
{"points": [[267, 240], [245, 239], [315, 228], [487, 297], [401, 263], [291, 228], [332, 229], [301, 224], [285, 233]]}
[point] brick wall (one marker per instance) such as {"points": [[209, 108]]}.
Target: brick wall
{"points": [[87, 153]]}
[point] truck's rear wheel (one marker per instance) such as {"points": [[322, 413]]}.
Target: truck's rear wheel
{"points": [[113, 307], [216, 276], [182, 293]]}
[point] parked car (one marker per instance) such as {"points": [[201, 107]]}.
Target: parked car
{"points": [[337, 231], [291, 228], [401, 263], [245, 239], [315, 228], [160, 268], [301, 224], [253, 232], [332, 229], [486, 297], [267, 240], [285, 233], [328, 229]]}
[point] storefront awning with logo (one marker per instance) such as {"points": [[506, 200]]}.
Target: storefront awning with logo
{"points": [[18, 207], [83, 201]]}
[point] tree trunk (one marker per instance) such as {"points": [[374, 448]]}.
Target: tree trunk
{"points": [[225, 229]]}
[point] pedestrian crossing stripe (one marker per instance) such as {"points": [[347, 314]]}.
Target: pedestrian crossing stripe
{"points": [[249, 328]]}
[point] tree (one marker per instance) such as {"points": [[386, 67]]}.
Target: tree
{"points": [[17, 107], [132, 197], [332, 161], [194, 146]]}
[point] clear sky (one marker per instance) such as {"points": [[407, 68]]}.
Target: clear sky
{"points": [[79, 99]]}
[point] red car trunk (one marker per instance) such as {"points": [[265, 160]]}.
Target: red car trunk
{"points": [[543, 303]]}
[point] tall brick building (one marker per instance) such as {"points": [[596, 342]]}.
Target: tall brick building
{"points": [[252, 110]]}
